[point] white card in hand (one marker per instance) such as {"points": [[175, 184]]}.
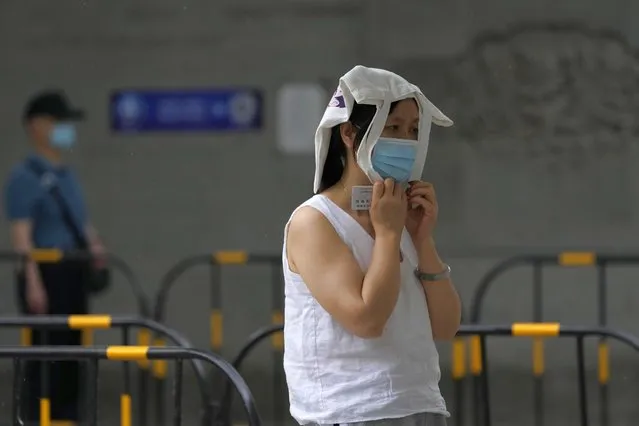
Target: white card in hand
{"points": [[361, 197]]}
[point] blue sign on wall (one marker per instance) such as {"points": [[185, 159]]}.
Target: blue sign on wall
{"points": [[214, 110]]}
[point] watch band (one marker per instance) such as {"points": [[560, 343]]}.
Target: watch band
{"points": [[423, 276]]}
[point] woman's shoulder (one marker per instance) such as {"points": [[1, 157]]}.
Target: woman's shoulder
{"points": [[310, 231], [310, 214], [314, 205], [313, 220]]}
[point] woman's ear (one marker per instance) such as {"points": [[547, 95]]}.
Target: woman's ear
{"points": [[348, 132]]}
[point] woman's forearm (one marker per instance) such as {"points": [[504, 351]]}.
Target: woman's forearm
{"points": [[382, 282], [444, 305]]}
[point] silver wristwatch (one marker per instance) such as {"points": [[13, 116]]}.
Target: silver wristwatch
{"points": [[444, 275]]}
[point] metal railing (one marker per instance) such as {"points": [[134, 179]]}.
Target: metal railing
{"points": [[57, 256], [125, 354], [216, 324], [216, 261], [89, 323], [274, 332], [563, 259], [477, 334]]}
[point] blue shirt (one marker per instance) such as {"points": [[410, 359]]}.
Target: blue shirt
{"points": [[27, 198]]}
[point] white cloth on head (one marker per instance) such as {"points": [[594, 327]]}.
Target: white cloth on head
{"points": [[373, 86]]}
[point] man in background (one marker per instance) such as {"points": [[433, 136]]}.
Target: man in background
{"points": [[45, 207]]}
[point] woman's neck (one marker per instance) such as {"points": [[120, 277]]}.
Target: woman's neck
{"points": [[354, 177], [342, 192]]}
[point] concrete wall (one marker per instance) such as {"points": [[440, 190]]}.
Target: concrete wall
{"points": [[540, 159]]}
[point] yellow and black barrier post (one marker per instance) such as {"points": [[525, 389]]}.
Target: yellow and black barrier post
{"points": [[458, 373], [538, 353], [477, 359], [216, 323], [603, 352], [125, 354], [88, 323]]}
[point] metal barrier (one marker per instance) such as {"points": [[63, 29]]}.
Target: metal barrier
{"points": [[216, 261], [537, 331], [458, 370], [273, 331], [478, 334], [121, 353], [56, 256], [89, 323], [564, 259]]}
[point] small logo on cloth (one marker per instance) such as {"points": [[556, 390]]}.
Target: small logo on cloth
{"points": [[337, 101]]}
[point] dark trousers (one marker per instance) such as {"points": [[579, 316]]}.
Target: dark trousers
{"points": [[66, 292]]}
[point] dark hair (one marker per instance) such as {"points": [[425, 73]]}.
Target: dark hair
{"points": [[361, 119]]}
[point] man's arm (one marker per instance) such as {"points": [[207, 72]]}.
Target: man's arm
{"points": [[21, 195], [444, 305], [92, 235], [96, 247], [20, 231]]}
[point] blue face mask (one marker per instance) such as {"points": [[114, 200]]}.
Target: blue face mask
{"points": [[63, 136], [394, 158]]}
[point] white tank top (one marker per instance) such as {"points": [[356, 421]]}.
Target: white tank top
{"points": [[336, 377]]}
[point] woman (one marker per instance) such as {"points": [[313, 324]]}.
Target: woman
{"points": [[366, 292]]}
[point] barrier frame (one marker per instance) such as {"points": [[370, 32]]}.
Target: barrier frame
{"points": [[458, 368], [126, 354], [216, 262], [57, 256], [478, 333], [564, 259], [125, 323]]}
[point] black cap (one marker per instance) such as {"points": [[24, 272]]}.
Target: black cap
{"points": [[52, 104]]}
